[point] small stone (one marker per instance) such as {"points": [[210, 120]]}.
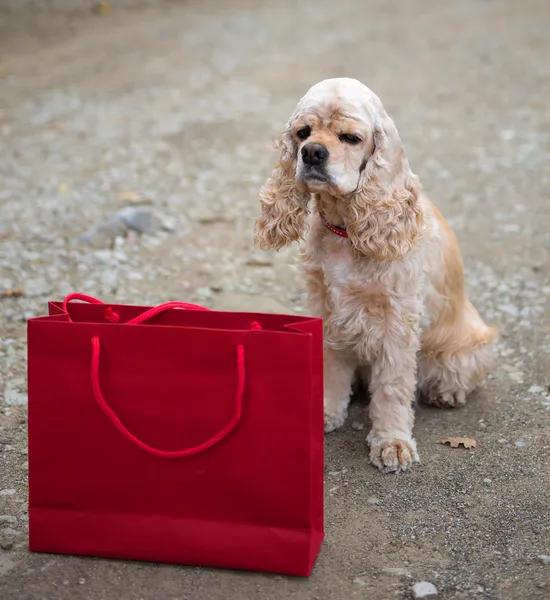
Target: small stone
{"points": [[357, 426], [544, 559], [204, 293], [397, 571], [7, 492], [140, 219], [362, 581], [6, 544], [14, 394], [8, 531], [424, 590], [8, 520], [81, 581], [519, 444], [487, 481], [373, 500]]}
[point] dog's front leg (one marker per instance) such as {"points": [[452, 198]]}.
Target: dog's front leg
{"points": [[392, 388], [339, 370]]}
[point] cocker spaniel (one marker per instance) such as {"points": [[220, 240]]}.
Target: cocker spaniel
{"points": [[382, 266]]}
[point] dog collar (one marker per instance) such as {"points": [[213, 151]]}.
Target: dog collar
{"points": [[341, 231]]}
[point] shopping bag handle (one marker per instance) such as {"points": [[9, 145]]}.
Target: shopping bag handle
{"points": [[113, 317], [110, 413]]}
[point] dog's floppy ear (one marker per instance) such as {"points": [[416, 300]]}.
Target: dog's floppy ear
{"points": [[284, 201], [384, 217]]}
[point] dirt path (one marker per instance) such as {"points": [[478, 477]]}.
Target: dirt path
{"points": [[173, 108]]}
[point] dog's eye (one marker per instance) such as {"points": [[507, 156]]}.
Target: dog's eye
{"points": [[350, 139], [304, 133]]}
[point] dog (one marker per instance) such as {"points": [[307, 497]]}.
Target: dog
{"points": [[381, 265]]}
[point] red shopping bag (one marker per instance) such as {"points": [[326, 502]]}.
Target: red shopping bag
{"points": [[169, 435]]}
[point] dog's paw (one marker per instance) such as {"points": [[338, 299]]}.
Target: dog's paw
{"points": [[334, 419], [392, 455], [454, 399]]}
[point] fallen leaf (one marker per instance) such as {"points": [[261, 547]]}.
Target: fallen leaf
{"points": [[11, 293], [128, 196], [102, 8], [213, 220], [58, 126], [258, 262], [455, 442]]}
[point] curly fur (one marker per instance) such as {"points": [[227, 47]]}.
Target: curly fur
{"points": [[284, 202], [392, 295], [383, 214]]}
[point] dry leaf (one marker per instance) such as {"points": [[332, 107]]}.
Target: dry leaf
{"points": [[213, 220], [455, 442], [128, 196], [103, 8], [58, 126], [258, 262], [11, 293]]}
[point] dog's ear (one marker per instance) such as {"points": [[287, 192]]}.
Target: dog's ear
{"points": [[384, 217], [284, 201]]}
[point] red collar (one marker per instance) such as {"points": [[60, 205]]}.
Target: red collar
{"points": [[341, 231]]}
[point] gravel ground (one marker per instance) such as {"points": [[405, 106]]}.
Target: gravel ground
{"points": [[132, 148]]}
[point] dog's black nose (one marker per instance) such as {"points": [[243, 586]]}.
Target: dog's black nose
{"points": [[314, 155]]}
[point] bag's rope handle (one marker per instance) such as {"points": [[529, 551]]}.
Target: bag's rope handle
{"points": [[109, 412], [112, 317]]}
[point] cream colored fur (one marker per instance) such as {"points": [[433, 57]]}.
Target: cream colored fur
{"points": [[391, 294]]}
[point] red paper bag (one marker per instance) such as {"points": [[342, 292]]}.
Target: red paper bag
{"points": [[183, 436]]}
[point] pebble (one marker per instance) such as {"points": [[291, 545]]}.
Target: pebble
{"points": [[14, 394], [424, 590], [519, 444], [544, 559], [139, 219], [6, 544], [8, 531], [7, 492], [357, 426], [8, 520], [397, 571], [488, 481]]}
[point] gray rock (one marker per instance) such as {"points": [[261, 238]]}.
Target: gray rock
{"points": [[6, 544], [8, 520], [104, 234], [140, 219], [544, 559], [424, 590], [357, 426]]}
